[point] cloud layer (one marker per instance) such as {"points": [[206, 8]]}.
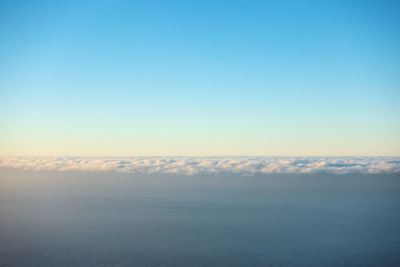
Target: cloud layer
{"points": [[192, 166]]}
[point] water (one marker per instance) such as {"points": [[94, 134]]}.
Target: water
{"points": [[113, 219]]}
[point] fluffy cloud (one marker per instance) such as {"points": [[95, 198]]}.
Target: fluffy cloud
{"points": [[191, 166]]}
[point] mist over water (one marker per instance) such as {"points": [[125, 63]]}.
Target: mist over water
{"points": [[124, 219]]}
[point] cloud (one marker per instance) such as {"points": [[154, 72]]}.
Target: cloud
{"points": [[192, 166]]}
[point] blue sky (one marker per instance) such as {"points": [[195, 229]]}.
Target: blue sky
{"points": [[199, 78]]}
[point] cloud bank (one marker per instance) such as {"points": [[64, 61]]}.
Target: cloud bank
{"points": [[193, 166]]}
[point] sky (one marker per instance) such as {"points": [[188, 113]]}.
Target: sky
{"points": [[199, 78]]}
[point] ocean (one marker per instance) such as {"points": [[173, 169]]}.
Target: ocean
{"points": [[66, 218]]}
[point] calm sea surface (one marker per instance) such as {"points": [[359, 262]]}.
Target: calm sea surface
{"points": [[110, 219]]}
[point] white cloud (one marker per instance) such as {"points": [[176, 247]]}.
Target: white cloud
{"points": [[192, 166]]}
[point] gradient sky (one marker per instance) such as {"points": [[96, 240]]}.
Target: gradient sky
{"points": [[199, 78]]}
